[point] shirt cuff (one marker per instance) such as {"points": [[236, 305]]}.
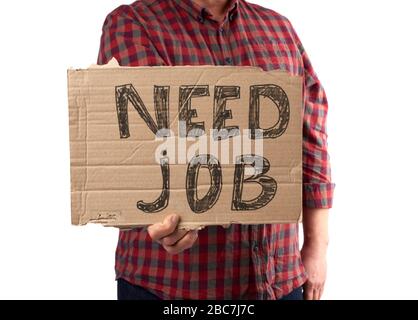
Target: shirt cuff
{"points": [[318, 195]]}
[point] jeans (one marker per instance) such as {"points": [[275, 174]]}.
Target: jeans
{"points": [[127, 291]]}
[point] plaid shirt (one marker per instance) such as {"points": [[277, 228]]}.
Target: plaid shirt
{"points": [[241, 262]]}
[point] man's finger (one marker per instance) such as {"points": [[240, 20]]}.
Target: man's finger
{"points": [[308, 292], [316, 294], [186, 243], [161, 230], [173, 238], [321, 293]]}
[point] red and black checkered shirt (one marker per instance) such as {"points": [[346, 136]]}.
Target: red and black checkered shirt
{"points": [[241, 262]]}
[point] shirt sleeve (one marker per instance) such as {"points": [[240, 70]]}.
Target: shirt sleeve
{"points": [[318, 188], [125, 39]]}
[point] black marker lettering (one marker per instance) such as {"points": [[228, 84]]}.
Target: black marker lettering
{"points": [[197, 163], [162, 202], [127, 93], [268, 184], [280, 99], [221, 114], [186, 113]]}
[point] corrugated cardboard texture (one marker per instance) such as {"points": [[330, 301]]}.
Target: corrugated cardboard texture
{"points": [[110, 174]]}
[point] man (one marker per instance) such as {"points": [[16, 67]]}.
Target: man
{"points": [[238, 262]]}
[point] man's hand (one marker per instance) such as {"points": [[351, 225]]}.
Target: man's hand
{"points": [[170, 237], [314, 251], [315, 261]]}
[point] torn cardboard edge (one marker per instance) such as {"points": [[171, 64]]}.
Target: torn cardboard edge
{"points": [[114, 64], [109, 220]]}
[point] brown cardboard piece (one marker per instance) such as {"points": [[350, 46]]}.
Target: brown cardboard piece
{"points": [[115, 176]]}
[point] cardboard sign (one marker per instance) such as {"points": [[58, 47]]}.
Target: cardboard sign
{"points": [[216, 145]]}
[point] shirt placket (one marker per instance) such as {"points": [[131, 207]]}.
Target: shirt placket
{"points": [[223, 39], [258, 258]]}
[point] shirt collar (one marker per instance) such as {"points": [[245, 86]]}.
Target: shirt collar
{"points": [[200, 13]]}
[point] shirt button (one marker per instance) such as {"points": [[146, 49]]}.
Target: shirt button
{"points": [[228, 60], [231, 17], [221, 30]]}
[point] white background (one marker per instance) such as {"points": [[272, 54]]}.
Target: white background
{"points": [[363, 51]]}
